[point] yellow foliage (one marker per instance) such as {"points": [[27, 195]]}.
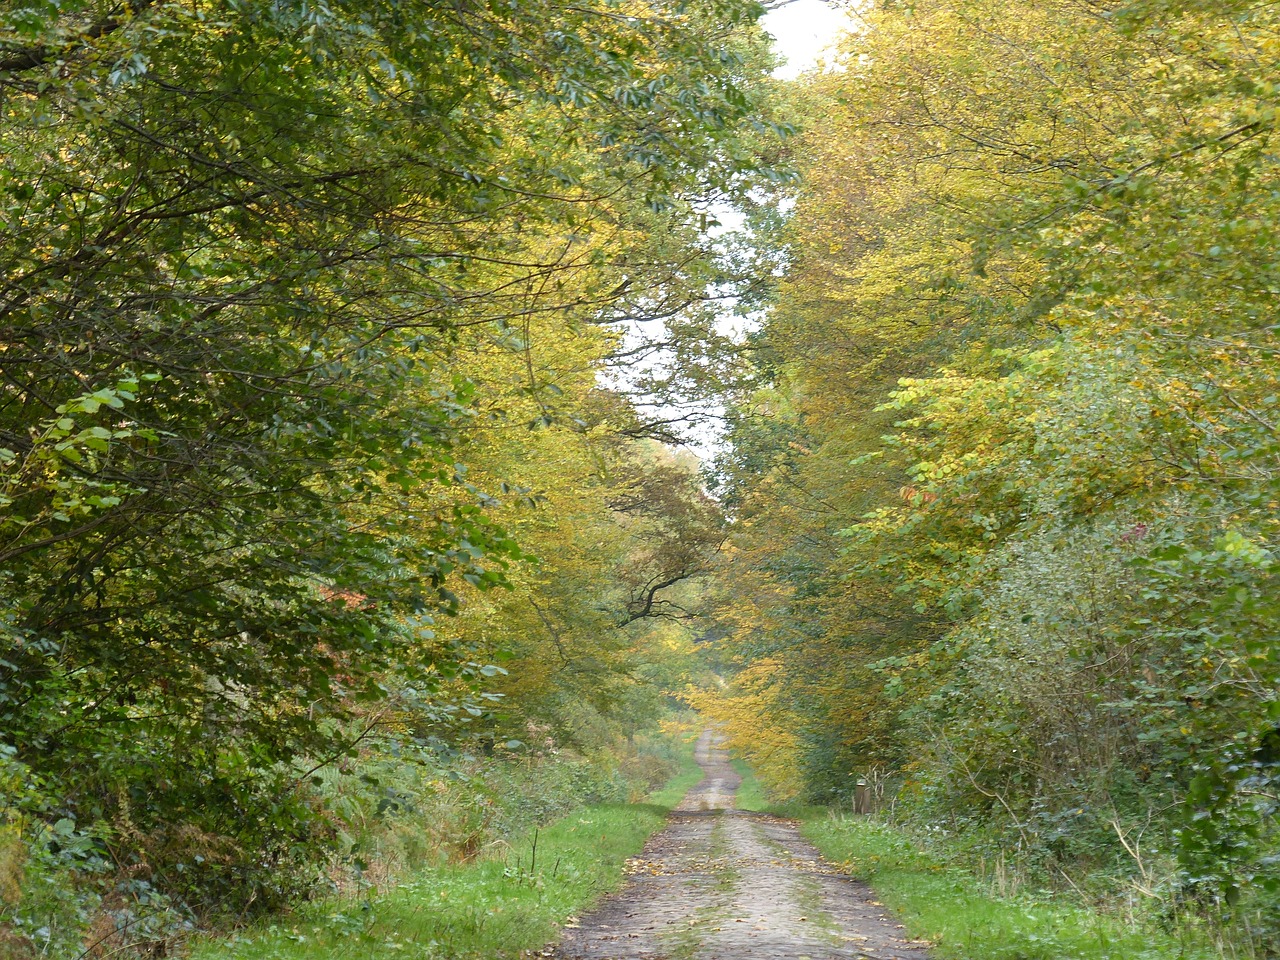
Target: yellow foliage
{"points": [[1031, 281], [13, 855], [753, 717]]}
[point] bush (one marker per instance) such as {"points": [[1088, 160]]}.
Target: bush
{"points": [[209, 845]]}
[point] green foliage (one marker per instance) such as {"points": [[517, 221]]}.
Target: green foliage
{"points": [[1005, 501], [276, 279], [1216, 602], [511, 899], [1029, 706]]}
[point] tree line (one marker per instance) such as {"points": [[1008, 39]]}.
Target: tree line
{"points": [[303, 442], [1004, 492]]}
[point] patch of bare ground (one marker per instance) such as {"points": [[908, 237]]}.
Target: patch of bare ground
{"points": [[722, 884]]}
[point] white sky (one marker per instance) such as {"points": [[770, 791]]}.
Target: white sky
{"points": [[801, 30]]}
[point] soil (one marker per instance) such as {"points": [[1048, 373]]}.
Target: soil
{"points": [[724, 884]]}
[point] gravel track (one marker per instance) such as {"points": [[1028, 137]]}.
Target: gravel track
{"points": [[723, 884]]}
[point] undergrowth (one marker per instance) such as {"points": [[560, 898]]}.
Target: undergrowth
{"points": [[387, 813], [512, 897]]}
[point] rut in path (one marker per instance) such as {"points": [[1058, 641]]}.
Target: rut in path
{"points": [[722, 884]]}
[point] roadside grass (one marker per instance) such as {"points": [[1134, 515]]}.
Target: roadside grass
{"points": [[750, 795], [689, 776], [505, 901], [961, 914], [950, 907]]}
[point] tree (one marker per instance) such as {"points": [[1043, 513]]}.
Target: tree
{"points": [[1023, 346], [241, 243]]}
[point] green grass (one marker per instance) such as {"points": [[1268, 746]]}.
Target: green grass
{"points": [[953, 909], [750, 795], [959, 913], [687, 778], [493, 907]]}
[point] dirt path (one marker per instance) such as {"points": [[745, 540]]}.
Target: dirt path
{"points": [[723, 884]]}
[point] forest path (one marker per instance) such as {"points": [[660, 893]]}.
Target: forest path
{"points": [[723, 884]]}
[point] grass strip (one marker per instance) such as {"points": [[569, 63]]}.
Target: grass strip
{"points": [[959, 913], [750, 796], [493, 907]]}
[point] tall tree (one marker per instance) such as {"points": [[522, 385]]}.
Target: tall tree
{"points": [[240, 243], [1036, 240]]}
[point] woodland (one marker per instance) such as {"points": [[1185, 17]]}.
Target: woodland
{"points": [[351, 353]]}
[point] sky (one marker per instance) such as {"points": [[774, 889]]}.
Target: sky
{"points": [[801, 29]]}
